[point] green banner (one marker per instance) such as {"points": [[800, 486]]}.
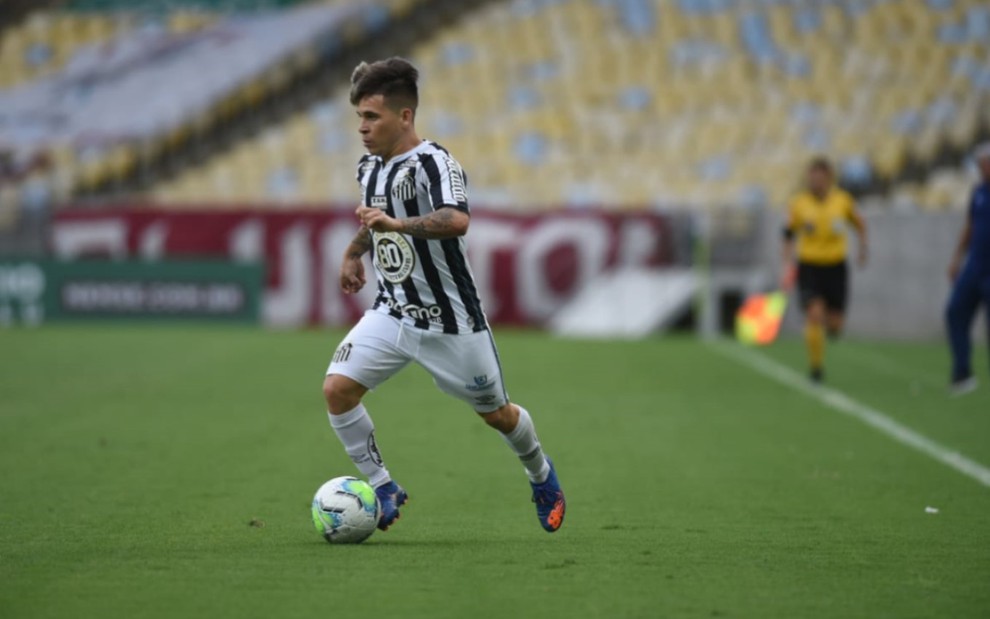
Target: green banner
{"points": [[33, 291]]}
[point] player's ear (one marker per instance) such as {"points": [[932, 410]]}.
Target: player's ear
{"points": [[407, 115]]}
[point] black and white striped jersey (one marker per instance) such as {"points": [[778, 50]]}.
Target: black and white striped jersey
{"points": [[427, 283]]}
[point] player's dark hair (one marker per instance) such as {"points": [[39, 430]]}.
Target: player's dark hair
{"points": [[394, 78], [821, 164]]}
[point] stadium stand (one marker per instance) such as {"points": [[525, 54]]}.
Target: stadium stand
{"points": [[152, 83], [54, 41], [566, 103], [48, 39], [636, 102]]}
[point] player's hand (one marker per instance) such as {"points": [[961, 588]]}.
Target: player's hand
{"points": [[864, 256], [788, 276], [954, 267], [376, 219], [352, 275]]}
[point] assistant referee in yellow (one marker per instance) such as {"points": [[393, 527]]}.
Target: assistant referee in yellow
{"points": [[816, 251]]}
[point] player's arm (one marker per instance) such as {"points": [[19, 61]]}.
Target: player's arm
{"points": [[962, 248], [442, 181], [788, 262], [446, 222], [859, 225], [352, 270]]}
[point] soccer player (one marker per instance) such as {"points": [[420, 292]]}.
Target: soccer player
{"points": [[971, 284], [414, 216], [818, 221]]}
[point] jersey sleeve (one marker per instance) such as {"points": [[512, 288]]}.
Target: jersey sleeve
{"points": [[359, 170], [444, 181]]}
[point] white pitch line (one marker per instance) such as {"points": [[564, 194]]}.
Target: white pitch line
{"points": [[840, 402]]}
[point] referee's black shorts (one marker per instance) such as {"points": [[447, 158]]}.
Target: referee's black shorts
{"points": [[828, 282]]}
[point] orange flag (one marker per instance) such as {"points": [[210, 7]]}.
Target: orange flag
{"points": [[758, 320]]}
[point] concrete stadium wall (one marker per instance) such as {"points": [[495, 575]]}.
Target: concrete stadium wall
{"points": [[902, 292]]}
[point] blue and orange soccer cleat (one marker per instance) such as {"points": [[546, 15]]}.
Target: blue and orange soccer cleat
{"points": [[392, 497], [550, 503]]}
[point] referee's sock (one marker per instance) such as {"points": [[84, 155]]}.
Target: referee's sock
{"points": [[814, 337]]}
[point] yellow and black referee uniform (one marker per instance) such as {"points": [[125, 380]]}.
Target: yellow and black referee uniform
{"points": [[817, 230], [820, 227]]}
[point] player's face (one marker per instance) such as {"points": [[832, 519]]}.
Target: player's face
{"points": [[818, 180], [381, 127]]}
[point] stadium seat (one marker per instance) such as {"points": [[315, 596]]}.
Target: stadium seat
{"points": [[631, 103]]}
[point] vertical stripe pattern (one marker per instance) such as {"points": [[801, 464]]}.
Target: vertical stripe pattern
{"points": [[427, 282]]}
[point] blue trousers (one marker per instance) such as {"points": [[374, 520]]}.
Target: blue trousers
{"points": [[971, 289]]}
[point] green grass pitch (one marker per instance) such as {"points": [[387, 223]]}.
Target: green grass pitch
{"points": [[134, 460]]}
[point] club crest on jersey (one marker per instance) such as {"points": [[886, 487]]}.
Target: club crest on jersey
{"points": [[394, 257], [403, 188]]}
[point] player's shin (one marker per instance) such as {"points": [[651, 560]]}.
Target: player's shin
{"points": [[356, 432], [814, 337], [524, 442]]}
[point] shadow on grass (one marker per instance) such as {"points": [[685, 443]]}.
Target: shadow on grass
{"points": [[474, 544]]}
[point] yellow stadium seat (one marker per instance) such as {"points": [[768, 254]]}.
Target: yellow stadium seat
{"points": [[568, 71]]}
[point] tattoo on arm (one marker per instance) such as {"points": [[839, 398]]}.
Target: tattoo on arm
{"points": [[361, 244], [444, 223]]}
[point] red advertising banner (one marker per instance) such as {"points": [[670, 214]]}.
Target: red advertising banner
{"points": [[526, 266]]}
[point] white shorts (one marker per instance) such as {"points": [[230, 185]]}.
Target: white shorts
{"points": [[465, 366]]}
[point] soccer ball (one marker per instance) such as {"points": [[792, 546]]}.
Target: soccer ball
{"points": [[346, 510]]}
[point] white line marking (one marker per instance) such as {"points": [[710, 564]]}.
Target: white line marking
{"points": [[838, 401]]}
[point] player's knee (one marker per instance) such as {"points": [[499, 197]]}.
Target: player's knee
{"points": [[503, 419], [341, 393], [815, 313]]}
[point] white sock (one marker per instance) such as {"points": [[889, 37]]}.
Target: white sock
{"points": [[526, 445], [357, 433]]}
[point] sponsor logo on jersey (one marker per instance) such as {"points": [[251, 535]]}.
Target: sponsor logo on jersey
{"points": [[394, 257], [456, 175], [431, 313], [379, 202]]}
